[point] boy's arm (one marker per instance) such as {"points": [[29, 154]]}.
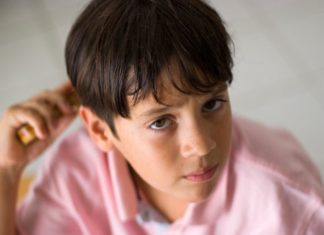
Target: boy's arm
{"points": [[48, 113], [9, 180]]}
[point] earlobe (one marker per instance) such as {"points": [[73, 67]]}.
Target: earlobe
{"points": [[97, 128]]}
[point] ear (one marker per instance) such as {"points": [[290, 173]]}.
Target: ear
{"points": [[98, 130]]}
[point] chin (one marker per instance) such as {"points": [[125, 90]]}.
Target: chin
{"points": [[200, 192]]}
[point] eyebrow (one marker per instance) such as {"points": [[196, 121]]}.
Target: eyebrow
{"points": [[155, 111], [165, 108]]}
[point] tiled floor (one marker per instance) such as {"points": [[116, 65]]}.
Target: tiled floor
{"points": [[278, 58]]}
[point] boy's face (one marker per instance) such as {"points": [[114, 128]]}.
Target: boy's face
{"points": [[177, 150]]}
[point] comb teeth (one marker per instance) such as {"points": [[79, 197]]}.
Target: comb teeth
{"points": [[26, 133]]}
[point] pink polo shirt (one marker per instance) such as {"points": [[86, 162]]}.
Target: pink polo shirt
{"points": [[269, 186]]}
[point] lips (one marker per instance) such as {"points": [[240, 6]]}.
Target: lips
{"points": [[202, 175]]}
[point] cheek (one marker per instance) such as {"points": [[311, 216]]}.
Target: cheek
{"points": [[152, 156], [223, 135], [159, 156], [154, 161]]}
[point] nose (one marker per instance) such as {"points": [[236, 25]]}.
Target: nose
{"points": [[196, 141]]}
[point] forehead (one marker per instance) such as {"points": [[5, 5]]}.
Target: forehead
{"points": [[172, 80], [169, 97], [174, 83]]}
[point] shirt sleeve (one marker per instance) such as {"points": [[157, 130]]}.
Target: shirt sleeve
{"points": [[44, 214], [47, 208], [316, 225]]}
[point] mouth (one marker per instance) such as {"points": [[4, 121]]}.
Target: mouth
{"points": [[202, 175]]}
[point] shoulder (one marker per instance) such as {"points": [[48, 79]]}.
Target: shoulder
{"points": [[276, 152], [76, 143], [72, 166], [68, 189], [76, 152], [272, 171], [69, 172]]}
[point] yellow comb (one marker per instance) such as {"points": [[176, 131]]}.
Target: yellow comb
{"points": [[26, 133]]}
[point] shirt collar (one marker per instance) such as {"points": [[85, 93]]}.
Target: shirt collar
{"points": [[122, 186], [126, 201]]}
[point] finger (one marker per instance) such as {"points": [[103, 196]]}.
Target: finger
{"points": [[37, 147], [19, 115], [55, 99], [48, 109]]}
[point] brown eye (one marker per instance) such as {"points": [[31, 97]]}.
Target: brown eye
{"points": [[161, 123], [213, 105]]}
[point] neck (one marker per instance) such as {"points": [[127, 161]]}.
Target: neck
{"points": [[170, 207]]}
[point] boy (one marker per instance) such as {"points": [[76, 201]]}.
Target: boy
{"points": [[161, 153]]}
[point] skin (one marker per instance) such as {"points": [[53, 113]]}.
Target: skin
{"points": [[190, 134], [41, 112]]}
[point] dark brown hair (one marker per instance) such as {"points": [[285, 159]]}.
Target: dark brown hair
{"points": [[118, 48]]}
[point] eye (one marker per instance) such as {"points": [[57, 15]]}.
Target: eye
{"points": [[213, 105], [160, 124]]}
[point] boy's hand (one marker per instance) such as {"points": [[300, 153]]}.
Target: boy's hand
{"points": [[48, 113]]}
